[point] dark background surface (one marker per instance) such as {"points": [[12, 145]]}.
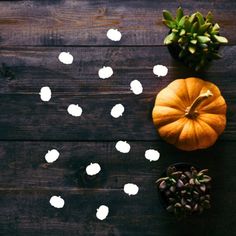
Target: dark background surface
{"points": [[32, 34]]}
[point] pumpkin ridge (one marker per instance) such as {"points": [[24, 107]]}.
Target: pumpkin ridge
{"points": [[187, 92], [181, 99], [199, 118]]}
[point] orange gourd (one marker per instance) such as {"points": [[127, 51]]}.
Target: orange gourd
{"points": [[190, 113]]}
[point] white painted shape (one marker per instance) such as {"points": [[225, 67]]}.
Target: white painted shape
{"points": [[102, 212], [57, 201], [117, 110], [93, 169], [152, 155], [65, 58], [136, 87], [160, 70], [105, 72], [45, 94], [52, 155], [122, 146], [114, 34], [74, 110], [131, 189]]}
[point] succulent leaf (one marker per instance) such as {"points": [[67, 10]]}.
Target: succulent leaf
{"points": [[220, 39], [182, 21], [179, 14], [203, 39], [167, 15], [169, 38], [209, 17]]}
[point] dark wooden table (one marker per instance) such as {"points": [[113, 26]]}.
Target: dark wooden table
{"points": [[32, 34]]}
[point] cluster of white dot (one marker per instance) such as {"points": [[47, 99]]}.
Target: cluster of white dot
{"points": [[117, 110]]}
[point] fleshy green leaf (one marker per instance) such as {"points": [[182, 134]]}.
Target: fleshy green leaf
{"points": [[209, 17], [203, 39], [182, 32], [215, 28], [167, 15], [192, 18], [179, 14], [221, 39], [175, 30], [170, 38], [192, 49], [200, 18], [193, 41], [194, 27], [203, 28], [169, 24], [182, 21]]}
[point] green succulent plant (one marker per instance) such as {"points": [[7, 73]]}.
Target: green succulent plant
{"points": [[185, 192], [196, 37]]}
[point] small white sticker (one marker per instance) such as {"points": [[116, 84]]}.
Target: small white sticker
{"points": [[52, 155], [93, 169], [102, 212], [65, 58], [45, 94], [57, 202], [114, 34], [136, 87], [122, 146], [160, 70], [131, 189], [105, 72], [152, 155], [74, 110], [117, 110]]}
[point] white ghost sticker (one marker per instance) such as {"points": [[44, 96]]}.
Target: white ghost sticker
{"points": [[105, 72], [74, 110], [93, 169], [45, 94], [65, 58], [136, 87], [131, 189], [114, 34], [57, 202], [102, 212], [52, 155], [122, 146], [152, 155], [117, 110], [160, 70]]}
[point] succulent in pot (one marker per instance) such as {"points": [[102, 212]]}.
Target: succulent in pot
{"points": [[193, 39], [184, 190]]}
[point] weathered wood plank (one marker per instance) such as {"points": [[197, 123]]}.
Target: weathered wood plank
{"points": [[25, 205], [23, 165], [86, 22], [24, 116]]}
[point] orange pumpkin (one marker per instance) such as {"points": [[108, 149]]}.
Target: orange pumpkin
{"points": [[190, 113]]}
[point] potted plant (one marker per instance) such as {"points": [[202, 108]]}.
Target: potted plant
{"points": [[184, 190], [193, 39]]}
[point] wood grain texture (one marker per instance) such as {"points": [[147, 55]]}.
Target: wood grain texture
{"points": [[32, 34], [86, 22], [27, 184], [25, 116]]}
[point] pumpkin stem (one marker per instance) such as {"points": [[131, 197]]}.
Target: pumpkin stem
{"points": [[191, 110]]}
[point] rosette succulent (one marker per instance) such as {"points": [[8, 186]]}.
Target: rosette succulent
{"points": [[185, 192], [193, 39]]}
